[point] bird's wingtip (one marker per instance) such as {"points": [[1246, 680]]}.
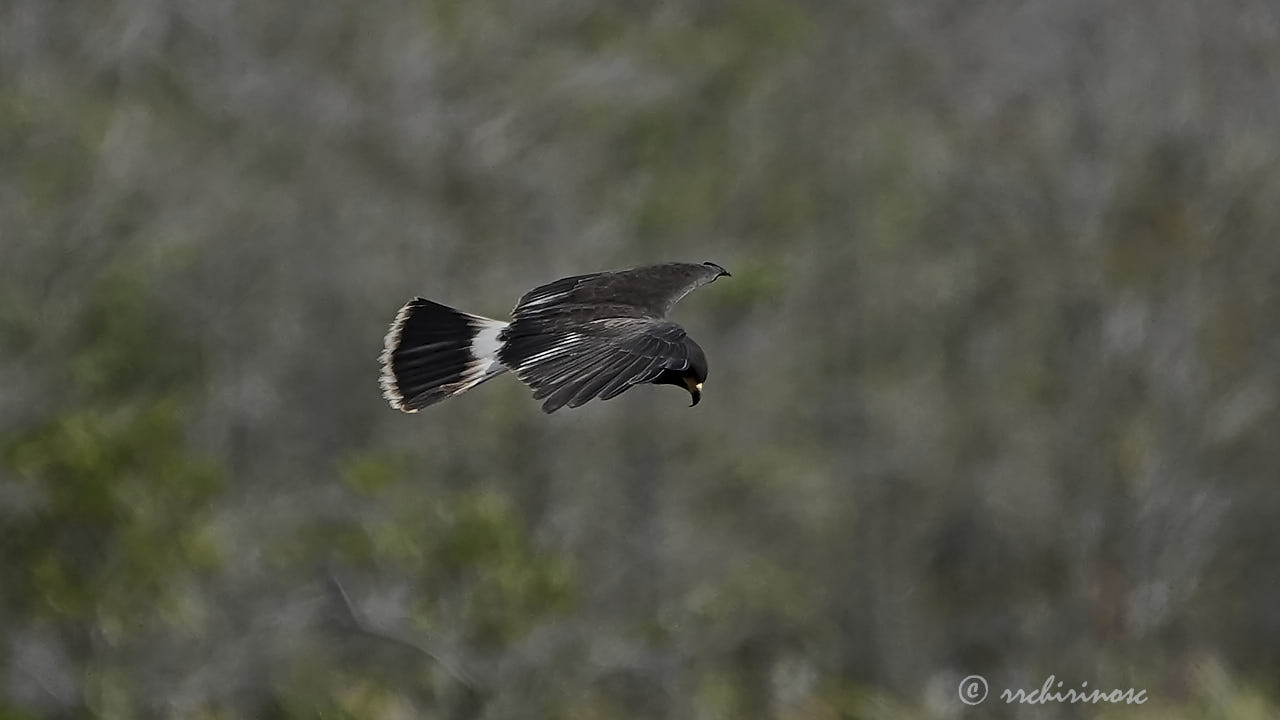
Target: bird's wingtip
{"points": [[721, 272]]}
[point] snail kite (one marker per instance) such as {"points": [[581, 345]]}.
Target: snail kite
{"points": [[582, 337]]}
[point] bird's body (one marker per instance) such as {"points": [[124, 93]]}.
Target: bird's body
{"points": [[571, 340]]}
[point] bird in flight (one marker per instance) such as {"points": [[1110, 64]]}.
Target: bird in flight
{"points": [[572, 340]]}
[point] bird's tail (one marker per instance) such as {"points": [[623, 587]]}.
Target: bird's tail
{"points": [[433, 352]]}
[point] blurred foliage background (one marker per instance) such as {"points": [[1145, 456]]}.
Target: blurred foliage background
{"points": [[993, 386]]}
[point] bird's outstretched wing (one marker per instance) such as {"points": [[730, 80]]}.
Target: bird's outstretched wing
{"points": [[641, 292], [599, 358]]}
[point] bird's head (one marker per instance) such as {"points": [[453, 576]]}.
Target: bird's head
{"points": [[688, 379], [696, 374], [691, 377], [695, 393]]}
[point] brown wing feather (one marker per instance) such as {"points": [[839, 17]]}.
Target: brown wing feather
{"points": [[648, 291], [601, 358]]}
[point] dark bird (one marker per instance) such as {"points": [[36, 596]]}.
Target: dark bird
{"points": [[579, 338]]}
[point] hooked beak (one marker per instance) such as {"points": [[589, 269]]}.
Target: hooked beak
{"points": [[696, 393]]}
